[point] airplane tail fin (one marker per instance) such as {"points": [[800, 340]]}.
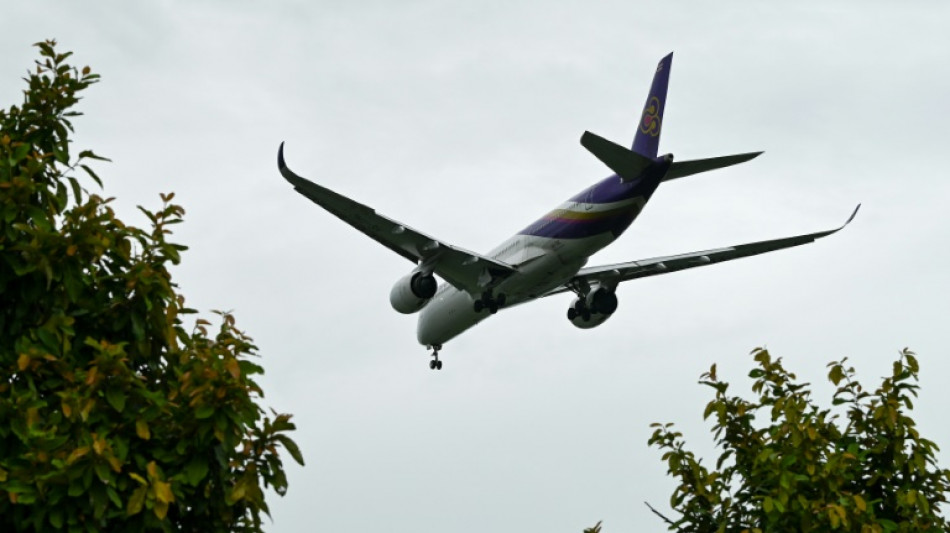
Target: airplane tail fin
{"points": [[647, 140]]}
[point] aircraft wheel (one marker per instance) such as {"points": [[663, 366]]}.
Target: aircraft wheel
{"points": [[438, 365], [500, 300], [493, 308], [571, 314], [479, 305], [432, 365]]}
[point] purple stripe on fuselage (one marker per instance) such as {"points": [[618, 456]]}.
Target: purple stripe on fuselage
{"points": [[607, 191], [560, 228]]}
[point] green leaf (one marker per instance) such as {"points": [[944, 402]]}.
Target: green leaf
{"points": [[195, 471], [291, 447], [38, 217], [91, 155], [77, 191], [103, 472], [204, 411], [20, 153], [92, 174], [56, 517], [116, 398]]}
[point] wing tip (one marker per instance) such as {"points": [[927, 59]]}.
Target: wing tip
{"points": [[280, 157], [288, 174], [853, 214]]}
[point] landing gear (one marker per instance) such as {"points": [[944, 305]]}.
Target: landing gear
{"points": [[435, 364], [487, 301], [579, 310]]}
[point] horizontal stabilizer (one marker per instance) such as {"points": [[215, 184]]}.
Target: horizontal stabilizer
{"points": [[680, 169], [625, 162]]}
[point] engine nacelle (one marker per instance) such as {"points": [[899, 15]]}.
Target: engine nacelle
{"points": [[412, 292], [593, 310]]}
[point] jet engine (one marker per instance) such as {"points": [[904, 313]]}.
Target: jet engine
{"points": [[411, 293], [594, 309]]}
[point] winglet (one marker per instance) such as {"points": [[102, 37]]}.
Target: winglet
{"points": [[288, 174], [852, 215]]}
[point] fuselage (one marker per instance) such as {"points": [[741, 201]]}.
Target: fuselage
{"points": [[547, 253]]}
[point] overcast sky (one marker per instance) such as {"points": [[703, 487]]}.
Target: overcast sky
{"points": [[462, 119]]}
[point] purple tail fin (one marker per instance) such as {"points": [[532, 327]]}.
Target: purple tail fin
{"points": [[647, 140]]}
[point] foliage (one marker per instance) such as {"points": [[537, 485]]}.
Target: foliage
{"points": [[113, 416], [803, 471]]}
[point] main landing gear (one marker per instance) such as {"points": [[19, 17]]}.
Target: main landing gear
{"points": [[579, 310], [435, 364], [487, 301]]}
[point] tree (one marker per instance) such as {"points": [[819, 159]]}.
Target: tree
{"points": [[113, 415], [801, 470]]}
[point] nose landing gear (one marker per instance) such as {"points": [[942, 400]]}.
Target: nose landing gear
{"points": [[435, 364]]}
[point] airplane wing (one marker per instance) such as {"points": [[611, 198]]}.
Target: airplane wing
{"points": [[611, 275], [465, 270]]}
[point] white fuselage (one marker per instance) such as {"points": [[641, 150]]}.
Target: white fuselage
{"points": [[543, 264]]}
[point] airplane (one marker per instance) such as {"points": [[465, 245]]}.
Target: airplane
{"points": [[549, 256]]}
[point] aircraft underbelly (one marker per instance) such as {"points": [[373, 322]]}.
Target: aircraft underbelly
{"points": [[452, 311]]}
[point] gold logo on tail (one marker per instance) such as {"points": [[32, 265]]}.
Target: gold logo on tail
{"points": [[650, 124]]}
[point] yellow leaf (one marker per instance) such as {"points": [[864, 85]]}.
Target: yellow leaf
{"points": [[833, 518], [910, 497], [71, 250], [233, 368], [67, 410], [163, 491], [160, 509], [152, 469], [91, 375], [859, 503], [238, 491], [23, 361], [77, 454], [136, 501], [98, 444], [86, 409], [141, 429], [138, 478]]}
